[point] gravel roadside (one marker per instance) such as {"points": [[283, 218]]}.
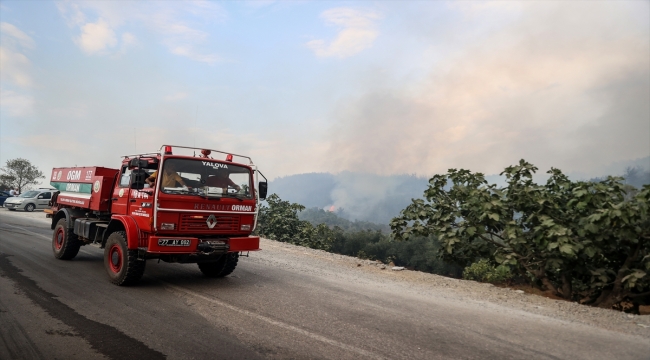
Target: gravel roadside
{"points": [[468, 292], [405, 282]]}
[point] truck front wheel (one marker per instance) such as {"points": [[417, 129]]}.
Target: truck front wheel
{"points": [[222, 267], [64, 242], [122, 264]]}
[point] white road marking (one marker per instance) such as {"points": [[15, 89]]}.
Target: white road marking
{"points": [[48, 239], [276, 322]]}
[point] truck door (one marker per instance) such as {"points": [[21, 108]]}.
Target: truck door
{"points": [[121, 192], [141, 199]]}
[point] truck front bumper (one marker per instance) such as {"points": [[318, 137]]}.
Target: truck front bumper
{"points": [[201, 246]]}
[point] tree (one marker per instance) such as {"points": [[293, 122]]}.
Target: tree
{"points": [[279, 221], [20, 173], [4, 185], [583, 241]]}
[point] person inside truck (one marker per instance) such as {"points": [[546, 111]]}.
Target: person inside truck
{"points": [[221, 180], [169, 179]]}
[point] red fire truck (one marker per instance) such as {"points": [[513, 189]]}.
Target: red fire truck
{"points": [[180, 204]]}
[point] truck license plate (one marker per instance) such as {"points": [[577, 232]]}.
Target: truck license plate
{"points": [[173, 242]]}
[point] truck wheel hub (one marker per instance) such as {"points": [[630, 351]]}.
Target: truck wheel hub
{"points": [[116, 259], [59, 239]]}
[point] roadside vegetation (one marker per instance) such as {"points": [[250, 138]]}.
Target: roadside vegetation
{"points": [[19, 174], [583, 241], [281, 220], [484, 271]]}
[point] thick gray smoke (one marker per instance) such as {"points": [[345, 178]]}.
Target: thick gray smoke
{"points": [[374, 198], [355, 196], [558, 84]]}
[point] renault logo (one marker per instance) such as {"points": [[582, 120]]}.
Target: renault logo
{"points": [[212, 221]]}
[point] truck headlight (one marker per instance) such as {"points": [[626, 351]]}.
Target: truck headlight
{"points": [[246, 227]]}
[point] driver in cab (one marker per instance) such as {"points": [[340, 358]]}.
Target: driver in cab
{"points": [[170, 177], [221, 180]]}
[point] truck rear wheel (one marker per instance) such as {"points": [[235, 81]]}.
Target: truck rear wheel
{"points": [[64, 242], [220, 268], [122, 264]]}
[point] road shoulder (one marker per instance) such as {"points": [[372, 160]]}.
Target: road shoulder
{"points": [[469, 293]]}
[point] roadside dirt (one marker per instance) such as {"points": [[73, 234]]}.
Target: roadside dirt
{"points": [[643, 310], [482, 294]]}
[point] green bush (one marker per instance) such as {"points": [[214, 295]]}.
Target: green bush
{"points": [[584, 241], [484, 271]]}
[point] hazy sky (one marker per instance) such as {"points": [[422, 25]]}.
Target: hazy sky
{"points": [[379, 87]]}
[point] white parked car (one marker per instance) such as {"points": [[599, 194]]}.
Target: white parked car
{"points": [[30, 200]]}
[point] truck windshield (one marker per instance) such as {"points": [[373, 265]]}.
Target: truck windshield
{"points": [[205, 177]]}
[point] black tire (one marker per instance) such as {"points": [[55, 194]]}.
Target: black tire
{"points": [[30, 207], [220, 268], [65, 243], [122, 264]]}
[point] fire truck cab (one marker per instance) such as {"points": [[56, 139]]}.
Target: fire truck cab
{"points": [[180, 204]]}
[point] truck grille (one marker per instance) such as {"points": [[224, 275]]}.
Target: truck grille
{"points": [[198, 223]]}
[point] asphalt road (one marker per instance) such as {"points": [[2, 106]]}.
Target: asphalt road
{"points": [[282, 303]]}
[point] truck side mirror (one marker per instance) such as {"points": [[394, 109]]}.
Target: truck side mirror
{"points": [[138, 178], [263, 188]]}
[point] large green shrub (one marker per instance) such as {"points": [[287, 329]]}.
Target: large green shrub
{"points": [[484, 271], [584, 241]]}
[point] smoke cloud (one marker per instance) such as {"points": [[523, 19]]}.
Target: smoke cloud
{"points": [[563, 85]]}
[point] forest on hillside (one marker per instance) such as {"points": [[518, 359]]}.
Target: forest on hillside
{"points": [[378, 199]]}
